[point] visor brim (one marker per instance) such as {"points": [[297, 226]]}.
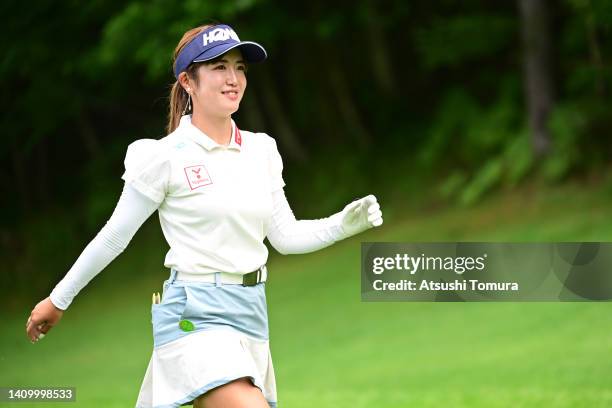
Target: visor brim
{"points": [[251, 52]]}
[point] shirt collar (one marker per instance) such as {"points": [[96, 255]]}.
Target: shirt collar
{"points": [[204, 140]]}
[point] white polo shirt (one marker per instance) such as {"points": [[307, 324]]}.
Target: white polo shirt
{"points": [[215, 199]]}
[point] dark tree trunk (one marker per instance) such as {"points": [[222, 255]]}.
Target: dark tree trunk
{"points": [[378, 50], [285, 134], [88, 135], [347, 109], [595, 49], [42, 175], [535, 19], [21, 185]]}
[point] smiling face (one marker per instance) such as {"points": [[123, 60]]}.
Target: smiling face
{"points": [[220, 85]]}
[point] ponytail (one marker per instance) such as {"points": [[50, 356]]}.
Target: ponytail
{"points": [[178, 96], [178, 104]]}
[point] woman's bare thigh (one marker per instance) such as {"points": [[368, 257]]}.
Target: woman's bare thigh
{"points": [[240, 393]]}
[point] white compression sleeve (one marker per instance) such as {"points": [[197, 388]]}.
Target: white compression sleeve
{"points": [[290, 236], [132, 210]]}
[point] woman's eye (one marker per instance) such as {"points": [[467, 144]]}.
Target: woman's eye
{"points": [[242, 67], [220, 67]]}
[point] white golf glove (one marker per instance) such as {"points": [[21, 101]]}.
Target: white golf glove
{"points": [[360, 215]]}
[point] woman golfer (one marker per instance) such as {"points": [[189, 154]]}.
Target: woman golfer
{"points": [[219, 192]]}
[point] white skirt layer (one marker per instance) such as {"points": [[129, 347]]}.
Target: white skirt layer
{"points": [[186, 368]]}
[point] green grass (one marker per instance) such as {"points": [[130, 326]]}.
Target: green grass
{"points": [[332, 350]]}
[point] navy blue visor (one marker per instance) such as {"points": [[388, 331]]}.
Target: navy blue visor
{"points": [[213, 42]]}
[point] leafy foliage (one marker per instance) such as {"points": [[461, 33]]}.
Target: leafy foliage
{"points": [[360, 96]]}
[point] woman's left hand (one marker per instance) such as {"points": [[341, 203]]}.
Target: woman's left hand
{"points": [[361, 215]]}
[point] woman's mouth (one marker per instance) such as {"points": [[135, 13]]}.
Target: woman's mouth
{"points": [[232, 95]]}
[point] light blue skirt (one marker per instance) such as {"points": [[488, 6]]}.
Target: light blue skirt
{"points": [[206, 335], [206, 306]]}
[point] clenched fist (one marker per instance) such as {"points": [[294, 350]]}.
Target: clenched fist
{"points": [[360, 215]]}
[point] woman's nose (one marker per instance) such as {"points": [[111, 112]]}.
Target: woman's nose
{"points": [[232, 78]]}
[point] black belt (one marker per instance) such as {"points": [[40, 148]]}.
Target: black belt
{"points": [[255, 277]]}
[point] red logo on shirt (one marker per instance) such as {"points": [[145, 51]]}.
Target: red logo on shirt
{"points": [[197, 176]]}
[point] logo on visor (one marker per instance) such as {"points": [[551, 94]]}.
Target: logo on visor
{"points": [[197, 176], [219, 34]]}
